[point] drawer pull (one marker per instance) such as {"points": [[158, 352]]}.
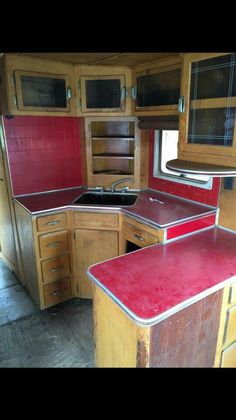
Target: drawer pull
{"points": [[56, 268], [54, 244], [55, 222], [140, 238], [57, 292]]}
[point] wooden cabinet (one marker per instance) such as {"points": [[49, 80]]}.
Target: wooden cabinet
{"points": [[7, 227], [226, 347], [116, 149], [97, 238], [35, 86], [103, 90], [207, 124], [156, 88], [45, 246], [184, 339], [141, 234]]}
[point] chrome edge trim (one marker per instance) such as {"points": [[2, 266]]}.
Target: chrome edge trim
{"points": [[49, 191], [155, 320]]}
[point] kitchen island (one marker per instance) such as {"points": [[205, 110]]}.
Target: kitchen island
{"points": [[168, 305]]}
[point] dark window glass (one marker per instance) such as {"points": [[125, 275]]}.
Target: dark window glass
{"points": [[158, 89], [104, 93], [43, 92], [213, 78], [212, 116], [214, 126]]}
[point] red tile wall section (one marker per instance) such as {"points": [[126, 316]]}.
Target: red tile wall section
{"points": [[44, 153], [190, 192]]}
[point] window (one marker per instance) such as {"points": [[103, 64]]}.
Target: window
{"points": [[166, 148]]}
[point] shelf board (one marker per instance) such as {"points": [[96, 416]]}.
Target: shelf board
{"points": [[112, 156], [113, 138], [195, 168]]}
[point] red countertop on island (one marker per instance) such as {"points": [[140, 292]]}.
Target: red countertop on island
{"points": [[157, 281]]}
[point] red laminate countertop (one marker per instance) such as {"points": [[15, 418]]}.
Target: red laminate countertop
{"points": [[174, 210], [157, 281]]}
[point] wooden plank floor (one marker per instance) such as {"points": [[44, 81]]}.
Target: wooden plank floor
{"points": [[61, 336]]}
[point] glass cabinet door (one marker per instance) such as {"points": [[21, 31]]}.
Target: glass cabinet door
{"points": [[39, 91], [158, 89], [209, 91], [102, 93]]}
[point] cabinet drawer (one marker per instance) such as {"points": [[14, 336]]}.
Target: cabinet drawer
{"points": [[96, 220], [139, 236], [57, 291], [55, 268], [53, 244], [51, 222], [232, 294], [230, 326], [228, 356]]}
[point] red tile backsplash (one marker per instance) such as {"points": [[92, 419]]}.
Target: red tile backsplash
{"points": [[190, 192], [44, 153]]}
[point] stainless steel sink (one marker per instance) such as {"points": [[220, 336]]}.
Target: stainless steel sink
{"points": [[106, 199]]}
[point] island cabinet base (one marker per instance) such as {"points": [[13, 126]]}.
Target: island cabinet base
{"points": [[186, 339]]}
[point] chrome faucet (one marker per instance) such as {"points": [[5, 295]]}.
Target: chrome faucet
{"points": [[120, 181]]}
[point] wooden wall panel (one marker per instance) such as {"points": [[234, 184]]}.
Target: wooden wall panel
{"points": [[189, 337]]}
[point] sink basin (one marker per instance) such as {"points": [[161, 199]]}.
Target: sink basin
{"points": [[107, 199]]}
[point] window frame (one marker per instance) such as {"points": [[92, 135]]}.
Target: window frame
{"points": [[180, 179]]}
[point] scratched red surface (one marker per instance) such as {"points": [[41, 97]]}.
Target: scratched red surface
{"points": [[152, 280], [173, 210]]}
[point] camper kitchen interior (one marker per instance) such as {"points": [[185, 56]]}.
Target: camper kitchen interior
{"points": [[117, 209]]}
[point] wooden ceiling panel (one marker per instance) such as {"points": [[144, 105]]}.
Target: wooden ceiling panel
{"points": [[110, 59]]}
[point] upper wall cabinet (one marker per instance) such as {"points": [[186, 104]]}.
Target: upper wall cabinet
{"points": [[37, 87], [207, 123], [103, 90], [156, 88]]}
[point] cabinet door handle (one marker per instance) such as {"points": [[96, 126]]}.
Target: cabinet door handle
{"points": [[140, 238], [56, 268], [55, 222], [181, 104], [57, 292], [54, 244], [68, 94], [123, 94], [134, 92]]}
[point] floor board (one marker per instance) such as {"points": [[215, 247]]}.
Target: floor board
{"points": [[61, 336]]}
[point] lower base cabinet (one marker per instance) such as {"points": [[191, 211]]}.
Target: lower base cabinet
{"points": [[92, 246], [58, 247], [226, 347], [96, 238], [187, 338]]}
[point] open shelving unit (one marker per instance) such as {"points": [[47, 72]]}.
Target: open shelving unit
{"points": [[113, 149]]}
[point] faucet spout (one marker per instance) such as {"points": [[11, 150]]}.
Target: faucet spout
{"points": [[120, 181]]}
